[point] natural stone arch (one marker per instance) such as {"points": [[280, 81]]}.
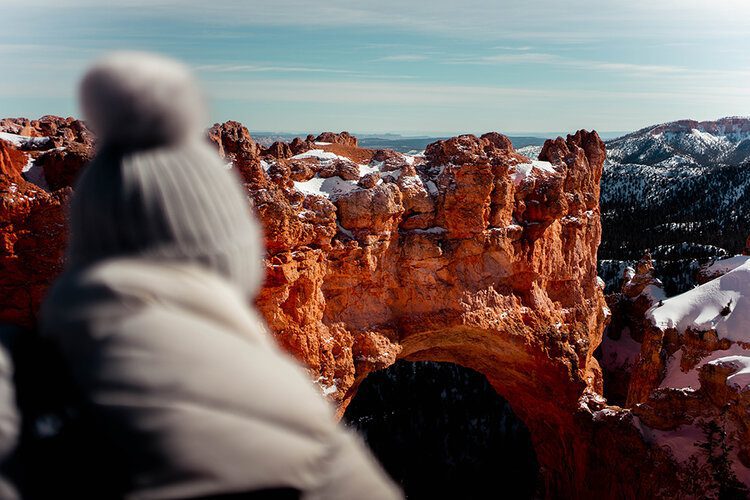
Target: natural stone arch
{"points": [[442, 431], [520, 373], [494, 270]]}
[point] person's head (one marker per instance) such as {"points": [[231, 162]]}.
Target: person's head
{"points": [[156, 189]]}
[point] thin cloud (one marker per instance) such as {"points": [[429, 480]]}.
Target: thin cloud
{"points": [[251, 68], [513, 47], [403, 58], [583, 64]]}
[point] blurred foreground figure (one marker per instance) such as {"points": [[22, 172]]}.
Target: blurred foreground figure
{"points": [[152, 313]]}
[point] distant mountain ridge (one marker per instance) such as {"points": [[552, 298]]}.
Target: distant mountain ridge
{"points": [[685, 142], [679, 189]]}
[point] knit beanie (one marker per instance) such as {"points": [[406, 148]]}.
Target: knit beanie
{"points": [[156, 188]]}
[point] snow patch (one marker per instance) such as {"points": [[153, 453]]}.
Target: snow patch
{"points": [[23, 140], [320, 155], [741, 365], [722, 304], [525, 171], [723, 266], [331, 188], [431, 230], [676, 378]]}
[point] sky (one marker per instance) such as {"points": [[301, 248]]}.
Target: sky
{"points": [[401, 66]]}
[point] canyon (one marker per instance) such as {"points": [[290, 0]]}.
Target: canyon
{"points": [[468, 253]]}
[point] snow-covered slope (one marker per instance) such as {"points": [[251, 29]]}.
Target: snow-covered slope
{"points": [[722, 305], [681, 190], [685, 142]]}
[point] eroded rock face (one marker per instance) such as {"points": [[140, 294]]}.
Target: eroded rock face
{"points": [[343, 138], [621, 346], [474, 255], [62, 165], [235, 145], [32, 237], [692, 378], [40, 160], [471, 254]]}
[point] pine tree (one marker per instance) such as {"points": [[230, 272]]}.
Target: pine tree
{"points": [[717, 450]]}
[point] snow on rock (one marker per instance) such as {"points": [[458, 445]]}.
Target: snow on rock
{"points": [[369, 169], [525, 171], [393, 174], [722, 304], [723, 266], [654, 293], [331, 188], [319, 154], [21, 141], [740, 378], [35, 174], [676, 378]]}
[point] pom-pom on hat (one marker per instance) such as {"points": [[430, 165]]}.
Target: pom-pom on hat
{"points": [[134, 99], [156, 189]]}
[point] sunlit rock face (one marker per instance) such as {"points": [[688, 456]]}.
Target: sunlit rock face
{"points": [[32, 214], [469, 253]]}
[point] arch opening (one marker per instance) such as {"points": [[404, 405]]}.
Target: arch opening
{"points": [[442, 431]]}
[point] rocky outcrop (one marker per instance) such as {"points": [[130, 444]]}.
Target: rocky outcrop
{"points": [[343, 138], [32, 236], [58, 131], [621, 345], [235, 145], [471, 254], [691, 384], [475, 255], [280, 150], [40, 161], [62, 165]]}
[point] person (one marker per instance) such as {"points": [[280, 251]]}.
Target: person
{"points": [[152, 314]]}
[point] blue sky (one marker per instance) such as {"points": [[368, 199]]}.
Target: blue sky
{"points": [[399, 65]]}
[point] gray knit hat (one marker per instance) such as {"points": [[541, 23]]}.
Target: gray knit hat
{"points": [[156, 188]]}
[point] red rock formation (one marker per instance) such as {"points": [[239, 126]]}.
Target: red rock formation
{"points": [[691, 383], [474, 255], [621, 345], [484, 279], [12, 162], [32, 233], [280, 150], [61, 131], [343, 138], [236, 146], [299, 146], [62, 165]]}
